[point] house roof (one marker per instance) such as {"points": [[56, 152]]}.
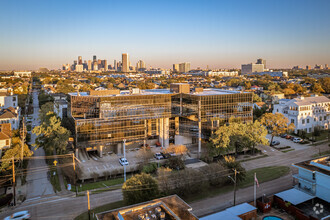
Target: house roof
{"points": [[8, 113], [241, 209], [309, 100], [224, 215], [294, 196]]}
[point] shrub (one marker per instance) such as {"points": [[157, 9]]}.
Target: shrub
{"points": [[150, 168], [175, 163], [95, 176], [139, 188], [215, 173], [6, 199]]}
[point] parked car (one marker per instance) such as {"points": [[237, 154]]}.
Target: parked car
{"points": [[19, 216], [274, 143], [288, 137], [158, 156], [123, 161], [166, 155], [297, 140], [283, 135]]}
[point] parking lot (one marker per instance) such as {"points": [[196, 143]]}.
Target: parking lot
{"points": [[110, 163], [287, 142]]}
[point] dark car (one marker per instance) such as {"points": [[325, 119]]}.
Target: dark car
{"points": [[274, 143], [166, 155], [283, 135]]}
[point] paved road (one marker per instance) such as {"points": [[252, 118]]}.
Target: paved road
{"points": [[63, 207], [37, 181]]}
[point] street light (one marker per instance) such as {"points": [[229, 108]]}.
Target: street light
{"points": [[234, 180]]}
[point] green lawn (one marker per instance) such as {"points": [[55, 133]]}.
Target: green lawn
{"points": [[110, 206], [285, 151], [323, 135], [263, 175], [100, 184], [54, 179], [325, 153]]}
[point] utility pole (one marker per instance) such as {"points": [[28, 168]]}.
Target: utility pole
{"points": [[125, 158], [22, 140], [74, 173], [89, 206], [14, 180]]}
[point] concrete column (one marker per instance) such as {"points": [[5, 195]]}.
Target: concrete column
{"points": [[199, 129], [76, 152], [177, 125], [149, 127], [166, 132], [157, 126], [161, 131], [180, 103], [100, 150], [119, 149]]}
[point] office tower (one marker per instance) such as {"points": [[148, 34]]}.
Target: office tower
{"points": [[326, 66], [140, 66], [184, 67], [125, 63], [105, 65], [85, 65], [261, 61], [176, 68], [79, 68], [94, 58], [308, 67], [89, 65], [95, 66], [252, 68], [115, 64], [79, 60]]}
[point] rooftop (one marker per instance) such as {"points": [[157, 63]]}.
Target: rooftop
{"points": [[216, 92], [170, 208], [321, 165], [309, 100]]}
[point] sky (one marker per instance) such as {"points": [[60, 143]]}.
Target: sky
{"points": [[220, 34]]}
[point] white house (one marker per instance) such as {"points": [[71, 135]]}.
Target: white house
{"points": [[306, 113], [10, 115], [8, 99]]}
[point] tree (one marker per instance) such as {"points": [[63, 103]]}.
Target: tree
{"points": [[256, 133], [15, 151], [288, 91], [51, 135], [177, 149], [231, 163], [317, 88], [247, 85], [145, 154], [276, 124], [44, 110], [139, 188], [325, 82], [256, 98]]}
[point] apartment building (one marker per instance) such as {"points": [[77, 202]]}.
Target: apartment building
{"points": [[8, 99], [306, 113], [104, 119]]}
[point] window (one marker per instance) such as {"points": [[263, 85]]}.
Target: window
{"points": [[320, 118], [292, 121], [313, 175], [309, 129], [14, 99], [325, 117], [307, 120], [303, 121], [7, 142]]}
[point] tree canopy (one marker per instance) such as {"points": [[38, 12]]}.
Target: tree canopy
{"points": [[276, 124], [139, 188]]}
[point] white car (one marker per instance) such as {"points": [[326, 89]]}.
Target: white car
{"points": [[297, 140], [19, 216], [123, 161], [158, 156]]}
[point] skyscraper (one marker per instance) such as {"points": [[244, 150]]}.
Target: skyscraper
{"points": [[89, 65], [184, 67], [79, 60], [125, 63], [94, 58], [176, 68], [140, 66], [115, 64], [105, 65]]}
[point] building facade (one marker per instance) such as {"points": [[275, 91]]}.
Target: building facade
{"points": [[314, 177], [8, 99], [252, 68], [306, 113], [125, 63], [103, 119]]}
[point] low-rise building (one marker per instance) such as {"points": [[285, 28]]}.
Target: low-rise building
{"points": [[166, 208], [8, 99], [306, 113], [10, 115], [5, 136], [22, 74]]}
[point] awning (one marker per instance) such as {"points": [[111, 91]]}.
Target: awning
{"points": [[294, 196], [241, 209], [224, 215]]}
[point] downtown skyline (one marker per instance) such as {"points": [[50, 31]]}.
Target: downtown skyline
{"points": [[218, 34]]}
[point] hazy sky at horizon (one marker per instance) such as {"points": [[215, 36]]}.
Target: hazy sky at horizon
{"points": [[221, 34]]}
